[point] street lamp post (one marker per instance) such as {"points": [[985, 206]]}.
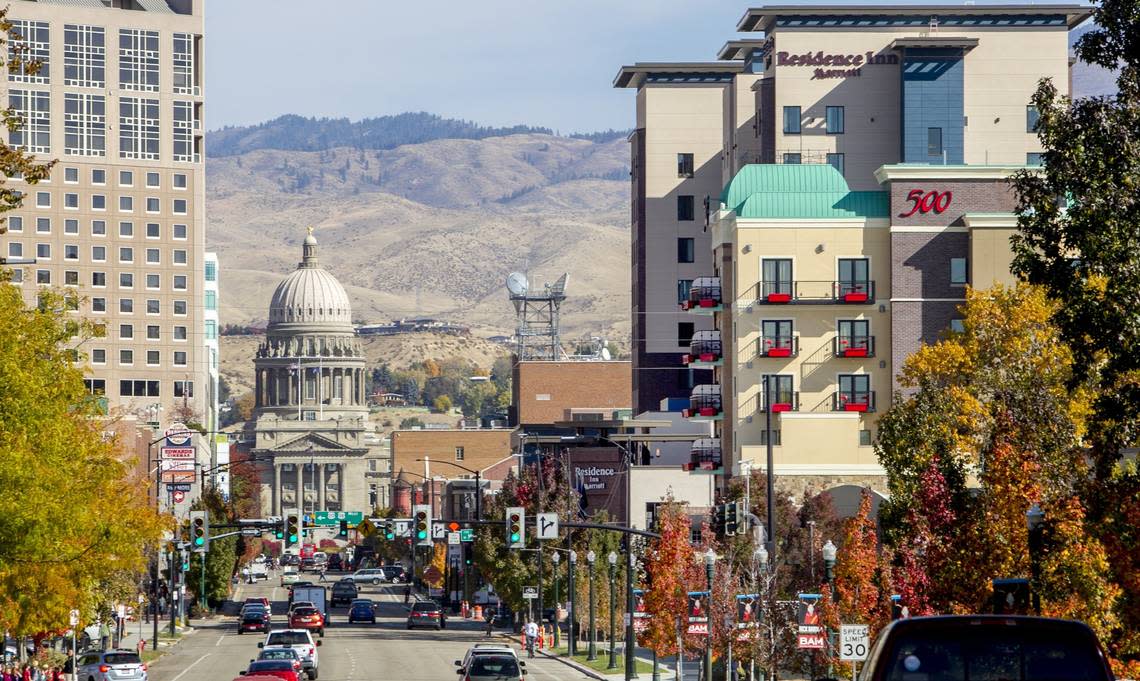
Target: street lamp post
{"points": [[478, 484], [571, 565], [556, 558], [613, 608], [710, 562], [761, 557], [630, 634], [829, 552], [592, 648]]}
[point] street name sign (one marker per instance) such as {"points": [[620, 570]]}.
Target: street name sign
{"points": [[854, 640]]}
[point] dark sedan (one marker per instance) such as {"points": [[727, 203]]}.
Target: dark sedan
{"points": [[254, 619], [362, 611]]}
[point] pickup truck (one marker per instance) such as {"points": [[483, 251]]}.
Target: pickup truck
{"points": [[955, 647]]}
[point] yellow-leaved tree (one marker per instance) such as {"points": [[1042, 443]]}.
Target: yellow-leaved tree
{"points": [[72, 518]]}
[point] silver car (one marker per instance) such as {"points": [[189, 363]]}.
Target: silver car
{"points": [[110, 665]]}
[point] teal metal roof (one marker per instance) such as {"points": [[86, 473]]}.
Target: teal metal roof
{"points": [[798, 191]]}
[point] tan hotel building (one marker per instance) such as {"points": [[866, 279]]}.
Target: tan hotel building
{"points": [[118, 102], [859, 186]]}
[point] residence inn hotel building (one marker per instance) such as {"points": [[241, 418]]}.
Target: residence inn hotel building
{"points": [[809, 208]]}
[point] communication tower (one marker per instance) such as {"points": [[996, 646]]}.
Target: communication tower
{"points": [[536, 333]]}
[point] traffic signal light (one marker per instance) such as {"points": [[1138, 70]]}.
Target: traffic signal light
{"points": [[516, 524], [718, 519], [279, 531], [733, 514], [292, 528], [421, 520], [467, 554], [343, 532], [200, 530], [389, 529], [184, 556]]}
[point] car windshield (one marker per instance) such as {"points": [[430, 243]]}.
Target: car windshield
{"points": [[423, 606], [279, 654], [493, 666], [271, 666], [121, 658], [305, 611], [284, 638], [994, 653]]}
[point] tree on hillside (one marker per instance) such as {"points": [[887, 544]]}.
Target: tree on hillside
{"points": [[74, 517]]}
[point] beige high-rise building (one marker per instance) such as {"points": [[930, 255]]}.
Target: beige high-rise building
{"points": [[118, 101]]}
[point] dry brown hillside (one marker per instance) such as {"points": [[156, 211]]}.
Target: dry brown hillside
{"points": [[398, 352], [431, 229]]}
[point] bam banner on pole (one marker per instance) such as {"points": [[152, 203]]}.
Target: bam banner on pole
{"points": [[640, 614], [698, 612], [811, 635], [748, 615]]}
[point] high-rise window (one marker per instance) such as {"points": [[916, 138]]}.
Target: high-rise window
{"points": [[684, 286], [836, 161], [138, 128], [685, 332], [138, 60], [84, 125], [29, 47], [211, 329], [184, 125], [1032, 116], [184, 80], [934, 141], [835, 122], [686, 210], [211, 300], [211, 271], [793, 158], [684, 165], [792, 120], [959, 271], [1034, 158], [685, 250], [84, 56], [34, 108]]}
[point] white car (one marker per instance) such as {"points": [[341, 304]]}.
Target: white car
{"points": [[299, 640], [368, 576]]}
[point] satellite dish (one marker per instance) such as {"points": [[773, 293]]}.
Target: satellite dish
{"points": [[517, 284], [606, 354]]}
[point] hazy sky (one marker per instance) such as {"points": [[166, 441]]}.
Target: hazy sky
{"points": [[497, 62]]}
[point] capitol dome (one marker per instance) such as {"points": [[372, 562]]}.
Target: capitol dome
{"points": [[310, 295]]}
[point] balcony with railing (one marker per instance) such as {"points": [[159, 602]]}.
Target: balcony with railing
{"points": [[705, 455], [853, 346], [804, 292], [778, 346], [704, 350], [854, 400], [705, 403], [782, 400], [704, 296]]}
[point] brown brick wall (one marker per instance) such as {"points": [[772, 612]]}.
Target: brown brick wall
{"points": [[543, 391], [481, 449], [967, 196], [913, 324], [920, 263]]}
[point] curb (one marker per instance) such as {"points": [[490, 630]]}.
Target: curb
{"points": [[566, 661]]}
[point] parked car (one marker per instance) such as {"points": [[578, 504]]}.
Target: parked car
{"points": [[307, 617], [344, 592], [426, 614], [111, 665], [362, 611], [301, 641], [254, 618], [985, 646], [277, 669]]}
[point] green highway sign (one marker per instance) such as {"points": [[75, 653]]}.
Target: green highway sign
{"points": [[466, 535], [329, 518]]}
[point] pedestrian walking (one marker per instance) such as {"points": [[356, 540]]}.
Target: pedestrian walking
{"points": [[490, 619], [104, 636], [323, 570]]}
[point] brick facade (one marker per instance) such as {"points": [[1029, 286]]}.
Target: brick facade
{"points": [[967, 196], [482, 449], [544, 391]]}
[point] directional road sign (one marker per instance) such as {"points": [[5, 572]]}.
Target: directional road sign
{"points": [[854, 640], [453, 538], [546, 525], [438, 531], [334, 517], [466, 535], [404, 528]]}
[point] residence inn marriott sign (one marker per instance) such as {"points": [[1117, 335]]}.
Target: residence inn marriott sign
{"points": [[852, 63]]}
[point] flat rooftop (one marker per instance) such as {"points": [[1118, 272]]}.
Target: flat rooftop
{"points": [[762, 18], [157, 6]]}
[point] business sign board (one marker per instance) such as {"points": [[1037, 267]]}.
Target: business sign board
{"points": [[176, 453], [177, 470], [178, 435]]}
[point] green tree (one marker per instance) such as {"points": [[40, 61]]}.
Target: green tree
{"points": [[442, 404], [74, 516], [222, 557]]}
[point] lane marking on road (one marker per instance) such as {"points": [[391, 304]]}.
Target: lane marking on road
{"points": [[189, 667], [219, 641]]}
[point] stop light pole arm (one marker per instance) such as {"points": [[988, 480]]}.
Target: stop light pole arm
{"points": [[589, 526]]}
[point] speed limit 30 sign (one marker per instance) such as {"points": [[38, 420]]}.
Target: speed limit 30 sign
{"points": [[854, 641]]}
